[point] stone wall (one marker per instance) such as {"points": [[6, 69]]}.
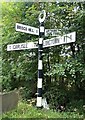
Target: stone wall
{"points": [[8, 101]]}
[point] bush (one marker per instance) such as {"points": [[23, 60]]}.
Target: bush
{"points": [[28, 90], [56, 96]]}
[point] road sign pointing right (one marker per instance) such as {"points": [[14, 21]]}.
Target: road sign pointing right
{"points": [[52, 32], [68, 38]]}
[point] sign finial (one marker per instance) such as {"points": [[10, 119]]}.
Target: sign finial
{"points": [[42, 16]]}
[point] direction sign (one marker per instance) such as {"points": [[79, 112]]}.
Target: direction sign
{"points": [[68, 38], [35, 31], [22, 46], [27, 29], [52, 32]]}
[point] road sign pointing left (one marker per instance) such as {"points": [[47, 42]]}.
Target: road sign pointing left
{"points": [[27, 29], [22, 46]]}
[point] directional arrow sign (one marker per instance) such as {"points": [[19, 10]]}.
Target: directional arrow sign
{"points": [[68, 38], [22, 46], [27, 29]]}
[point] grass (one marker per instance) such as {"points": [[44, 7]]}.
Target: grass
{"points": [[25, 110]]}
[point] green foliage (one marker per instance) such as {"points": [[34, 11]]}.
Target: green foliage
{"points": [[55, 96], [68, 67], [25, 110], [57, 69], [17, 65], [76, 106]]}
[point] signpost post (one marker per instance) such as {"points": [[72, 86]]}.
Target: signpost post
{"points": [[41, 32], [40, 50]]}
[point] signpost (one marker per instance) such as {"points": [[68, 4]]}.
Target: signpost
{"points": [[40, 65], [41, 32]]}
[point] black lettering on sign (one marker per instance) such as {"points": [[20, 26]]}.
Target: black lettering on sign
{"points": [[24, 28], [18, 27], [47, 42], [56, 40], [70, 37], [9, 47], [26, 45], [21, 27], [17, 46], [53, 41], [47, 31], [65, 39], [23, 45], [14, 46], [36, 31], [29, 29], [32, 30]]}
